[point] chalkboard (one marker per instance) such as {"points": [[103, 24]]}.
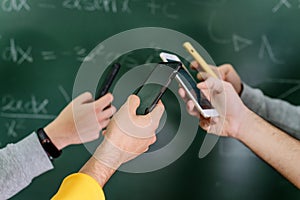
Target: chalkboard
{"points": [[43, 44]]}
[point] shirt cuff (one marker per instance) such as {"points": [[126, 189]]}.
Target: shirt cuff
{"points": [[251, 97]]}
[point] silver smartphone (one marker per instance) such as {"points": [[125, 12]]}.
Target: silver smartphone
{"points": [[188, 83]]}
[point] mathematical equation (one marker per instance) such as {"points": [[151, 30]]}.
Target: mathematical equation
{"points": [[240, 43], [19, 54], [15, 111], [154, 7]]}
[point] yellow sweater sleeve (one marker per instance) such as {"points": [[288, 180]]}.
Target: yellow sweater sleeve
{"points": [[79, 186]]}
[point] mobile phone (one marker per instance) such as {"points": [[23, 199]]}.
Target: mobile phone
{"points": [[155, 85], [188, 83], [108, 81]]}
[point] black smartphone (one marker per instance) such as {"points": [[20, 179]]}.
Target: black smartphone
{"points": [[108, 81], [155, 85]]}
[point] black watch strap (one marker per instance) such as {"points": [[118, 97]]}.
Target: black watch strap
{"points": [[47, 144]]}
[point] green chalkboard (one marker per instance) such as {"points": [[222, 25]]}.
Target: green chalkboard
{"points": [[44, 43]]}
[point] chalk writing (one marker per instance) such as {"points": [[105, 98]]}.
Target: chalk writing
{"points": [[26, 116], [108, 6], [125, 7], [266, 48], [80, 52], [64, 93], [17, 54], [13, 126], [240, 43], [48, 55], [31, 106], [288, 92], [211, 32], [285, 5], [31, 109], [164, 8], [281, 3], [15, 5]]}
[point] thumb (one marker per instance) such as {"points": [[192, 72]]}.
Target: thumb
{"points": [[133, 103], [202, 76]]}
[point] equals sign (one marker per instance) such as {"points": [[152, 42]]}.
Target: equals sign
{"points": [[48, 55]]}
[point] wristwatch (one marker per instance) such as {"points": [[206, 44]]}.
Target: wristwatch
{"points": [[47, 144]]}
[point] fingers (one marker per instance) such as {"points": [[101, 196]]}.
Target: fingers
{"points": [[107, 113], [202, 76], [182, 94], [104, 101], [195, 66], [225, 69], [213, 84], [84, 98], [104, 124], [191, 109]]}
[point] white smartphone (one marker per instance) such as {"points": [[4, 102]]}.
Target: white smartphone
{"points": [[188, 83]]}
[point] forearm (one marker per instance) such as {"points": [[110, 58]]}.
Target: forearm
{"points": [[274, 146], [100, 172], [278, 112]]}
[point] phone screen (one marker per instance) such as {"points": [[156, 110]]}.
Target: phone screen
{"points": [[191, 84], [155, 86]]}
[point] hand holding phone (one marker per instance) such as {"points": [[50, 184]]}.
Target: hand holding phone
{"points": [[187, 82], [155, 85]]}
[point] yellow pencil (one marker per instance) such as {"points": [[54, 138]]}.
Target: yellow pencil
{"points": [[188, 46]]}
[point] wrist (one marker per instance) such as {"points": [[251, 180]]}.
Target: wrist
{"points": [[243, 124], [100, 172], [55, 135]]}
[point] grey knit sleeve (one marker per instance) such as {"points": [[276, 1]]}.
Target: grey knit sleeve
{"points": [[20, 163], [278, 112]]}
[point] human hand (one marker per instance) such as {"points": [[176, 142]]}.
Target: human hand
{"points": [[225, 72], [128, 135], [232, 112], [81, 120]]}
